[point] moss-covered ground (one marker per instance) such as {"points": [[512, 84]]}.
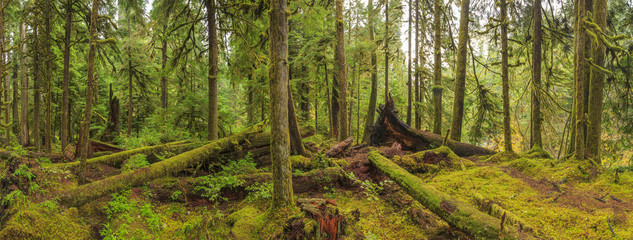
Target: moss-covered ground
{"points": [[552, 199]]}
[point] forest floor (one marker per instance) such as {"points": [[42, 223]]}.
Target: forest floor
{"points": [[549, 198]]}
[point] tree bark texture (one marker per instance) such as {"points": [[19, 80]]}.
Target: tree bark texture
{"points": [[505, 81], [580, 40], [536, 78], [596, 85], [24, 90], [460, 78], [278, 76], [371, 108], [437, 69], [343, 132], [213, 71], [65, 105]]}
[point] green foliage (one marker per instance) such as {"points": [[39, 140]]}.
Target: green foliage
{"points": [[15, 199], [210, 186], [259, 191], [24, 172], [130, 219], [372, 190], [135, 162]]}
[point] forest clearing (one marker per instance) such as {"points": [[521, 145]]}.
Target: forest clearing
{"points": [[316, 119]]}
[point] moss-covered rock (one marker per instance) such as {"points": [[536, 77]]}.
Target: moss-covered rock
{"points": [[246, 223], [38, 222]]}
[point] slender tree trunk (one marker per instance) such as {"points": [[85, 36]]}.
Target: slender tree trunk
{"points": [[65, 106], [596, 85], [296, 144], [437, 70], [130, 105], [460, 78], [213, 71], [163, 78], [2, 69], [536, 78], [418, 96], [84, 133], [409, 82], [371, 109], [334, 105], [24, 84], [386, 50], [278, 75], [305, 101], [579, 74], [505, 82], [343, 125], [358, 69], [329, 101], [49, 77], [37, 94], [15, 119]]}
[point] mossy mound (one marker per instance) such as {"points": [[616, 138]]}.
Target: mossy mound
{"points": [[41, 221], [246, 223], [502, 157], [432, 160]]}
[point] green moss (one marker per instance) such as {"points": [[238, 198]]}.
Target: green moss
{"points": [[300, 162], [536, 152], [38, 222], [246, 222], [502, 157]]}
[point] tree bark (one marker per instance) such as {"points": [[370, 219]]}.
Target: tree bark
{"points": [[457, 214], [580, 40], [389, 129], [460, 78], [437, 70], [213, 71], [505, 82], [163, 77], [343, 125], [130, 110], [418, 113], [3, 126], [371, 108], [278, 76], [596, 85], [36, 84], [84, 133], [65, 106], [24, 90], [409, 81], [48, 76], [386, 50], [536, 78], [296, 144]]}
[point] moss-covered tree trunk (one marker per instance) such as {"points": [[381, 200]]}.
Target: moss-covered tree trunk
{"points": [[341, 76], [163, 77], [296, 144], [460, 77], [213, 71], [418, 93], [457, 214], [5, 124], [84, 133], [36, 85], [580, 66], [373, 95], [24, 90], [48, 76], [437, 69], [505, 81], [130, 104], [65, 105], [596, 85], [535, 132], [278, 76]]}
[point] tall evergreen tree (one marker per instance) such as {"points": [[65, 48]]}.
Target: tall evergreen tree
{"points": [[535, 136], [343, 132], [460, 77], [437, 68], [505, 81]]}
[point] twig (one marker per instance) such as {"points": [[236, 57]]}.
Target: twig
{"points": [[614, 235], [614, 198]]}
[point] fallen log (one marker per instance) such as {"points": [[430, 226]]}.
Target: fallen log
{"points": [[116, 159], [85, 193], [311, 181], [340, 147], [458, 214], [389, 129]]}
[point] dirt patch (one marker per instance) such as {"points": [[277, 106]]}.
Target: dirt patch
{"points": [[96, 172]]}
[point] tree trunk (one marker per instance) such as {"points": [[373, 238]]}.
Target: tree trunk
{"points": [[386, 50], [130, 105], [596, 85], [15, 118], [48, 76], [329, 100], [409, 82], [389, 129], [213, 71], [65, 106], [460, 78], [437, 70], [457, 214], [418, 113], [343, 131], [371, 109], [278, 76], [37, 94], [86, 193], [24, 84], [505, 82], [84, 133], [536, 78], [5, 128], [163, 78], [296, 145], [580, 40]]}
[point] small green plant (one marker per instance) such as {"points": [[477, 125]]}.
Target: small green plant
{"points": [[175, 195], [259, 191], [43, 160], [15, 199], [372, 190], [24, 172], [135, 162], [18, 150], [320, 161], [210, 186]]}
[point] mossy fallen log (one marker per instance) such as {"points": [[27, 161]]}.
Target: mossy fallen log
{"points": [[85, 193], [313, 180], [389, 129], [458, 214], [116, 159]]}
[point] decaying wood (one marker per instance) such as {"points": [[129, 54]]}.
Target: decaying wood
{"points": [[168, 167], [340, 147], [389, 129], [458, 214], [329, 219], [313, 180]]}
